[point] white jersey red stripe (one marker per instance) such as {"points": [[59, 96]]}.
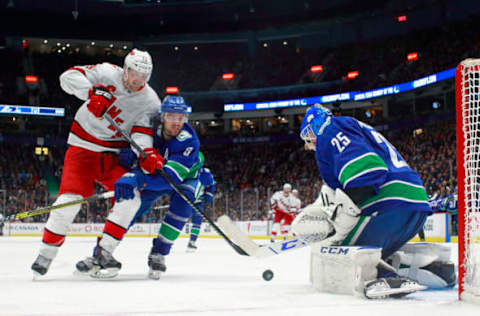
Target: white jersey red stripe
{"points": [[142, 130], [78, 131], [281, 202], [132, 111]]}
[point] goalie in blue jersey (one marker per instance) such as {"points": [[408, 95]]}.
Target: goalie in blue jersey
{"points": [[370, 197]]}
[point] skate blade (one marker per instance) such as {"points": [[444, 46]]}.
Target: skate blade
{"points": [[36, 276], [386, 293], [108, 273], [80, 273], [190, 250], [154, 275]]}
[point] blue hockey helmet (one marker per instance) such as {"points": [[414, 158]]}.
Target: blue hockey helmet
{"points": [[315, 120], [174, 104]]}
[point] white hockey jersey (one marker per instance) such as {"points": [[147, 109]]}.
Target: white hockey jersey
{"points": [[132, 111], [297, 204], [283, 203]]}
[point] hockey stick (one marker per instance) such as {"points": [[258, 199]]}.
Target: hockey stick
{"points": [[161, 207], [261, 251], [252, 248], [40, 211], [237, 248]]}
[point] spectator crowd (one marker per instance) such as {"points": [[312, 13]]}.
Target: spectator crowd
{"points": [[247, 174]]}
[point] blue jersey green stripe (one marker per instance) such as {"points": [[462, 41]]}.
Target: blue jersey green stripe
{"points": [[359, 166], [398, 190]]}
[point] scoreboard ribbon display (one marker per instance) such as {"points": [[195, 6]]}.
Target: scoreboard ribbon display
{"points": [[346, 96], [31, 110]]}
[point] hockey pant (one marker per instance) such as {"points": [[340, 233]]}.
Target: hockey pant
{"points": [[389, 230], [82, 168], [277, 223]]}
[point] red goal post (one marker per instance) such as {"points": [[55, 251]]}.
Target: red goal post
{"points": [[467, 87]]}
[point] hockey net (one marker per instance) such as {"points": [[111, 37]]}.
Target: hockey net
{"points": [[467, 84]]}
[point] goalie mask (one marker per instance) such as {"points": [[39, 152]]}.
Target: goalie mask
{"points": [[316, 119]]}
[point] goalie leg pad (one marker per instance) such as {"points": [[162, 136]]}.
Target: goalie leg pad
{"points": [[343, 270], [428, 264]]}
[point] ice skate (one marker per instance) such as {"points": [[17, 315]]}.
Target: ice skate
{"points": [[41, 265], [394, 287], [156, 263], [191, 247], [104, 265], [85, 266]]}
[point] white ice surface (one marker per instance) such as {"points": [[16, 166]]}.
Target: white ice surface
{"points": [[213, 281]]}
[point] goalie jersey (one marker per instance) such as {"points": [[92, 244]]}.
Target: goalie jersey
{"points": [[353, 154]]}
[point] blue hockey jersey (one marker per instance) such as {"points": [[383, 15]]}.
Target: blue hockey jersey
{"points": [[353, 154], [182, 156]]}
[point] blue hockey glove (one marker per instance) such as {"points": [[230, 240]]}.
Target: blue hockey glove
{"points": [[125, 185], [127, 158]]}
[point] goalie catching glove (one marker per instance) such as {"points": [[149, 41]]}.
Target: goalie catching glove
{"points": [[329, 219]]}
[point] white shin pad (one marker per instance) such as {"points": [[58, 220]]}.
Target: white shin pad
{"points": [[60, 220], [122, 214], [343, 270]]}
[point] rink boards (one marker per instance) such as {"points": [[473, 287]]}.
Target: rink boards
{"points": [[437, 229]]}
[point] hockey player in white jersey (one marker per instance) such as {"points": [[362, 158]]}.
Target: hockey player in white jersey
{"points": [[92, 156], [370, 199], [282, 203], [298, 202]]}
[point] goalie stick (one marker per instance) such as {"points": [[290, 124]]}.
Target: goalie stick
{"points": [[236, 247], [261, 251], [252, 248], [43, 210]]}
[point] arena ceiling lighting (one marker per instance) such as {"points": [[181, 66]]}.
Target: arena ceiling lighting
{"points": [[228, 76], [171, 90], [316, 68], [412, 56], [31, 79], [352, 74]]}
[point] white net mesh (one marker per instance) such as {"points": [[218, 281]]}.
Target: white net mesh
{"points": [[470, 107]]}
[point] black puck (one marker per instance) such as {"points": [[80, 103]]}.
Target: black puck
{"points": [[267, 275]]}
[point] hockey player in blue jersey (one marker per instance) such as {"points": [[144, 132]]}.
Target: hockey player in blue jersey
{"points": [[205, 197], [176, 152], [370, 196]]}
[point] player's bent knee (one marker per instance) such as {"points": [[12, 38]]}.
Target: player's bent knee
{"points": [[343, 270], [60, 219], [124, 211]]}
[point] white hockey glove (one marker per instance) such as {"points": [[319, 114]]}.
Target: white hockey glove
{"points": [[329, 219], [343, 215]]}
